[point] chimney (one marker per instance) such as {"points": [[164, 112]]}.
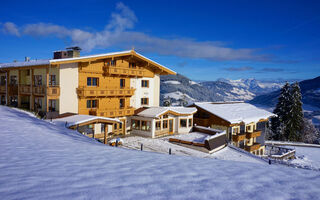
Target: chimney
{"points": [[70, 52]]}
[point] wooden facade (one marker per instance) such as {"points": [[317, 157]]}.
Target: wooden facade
{"points": [[238, 134]]}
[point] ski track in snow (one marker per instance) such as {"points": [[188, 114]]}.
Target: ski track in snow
{"points": [[39, 160]]}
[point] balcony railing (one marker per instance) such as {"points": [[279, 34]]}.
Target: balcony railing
{"points": [[24, 89], [53, 91], [254, 134], [123, 71], [13, 89], [253, 147], [39, 90], [239, 137], [100, 92], [3, 89], [116, 113]]}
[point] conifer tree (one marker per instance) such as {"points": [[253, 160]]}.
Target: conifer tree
{"points": [[295, 116], [278, 124]]}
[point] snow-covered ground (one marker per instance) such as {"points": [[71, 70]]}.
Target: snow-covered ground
{"points": [[172, 82], [39, 160], [308, 156], [162, 145]]}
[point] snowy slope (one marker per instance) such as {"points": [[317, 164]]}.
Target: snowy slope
{"points": [[39, 160]]}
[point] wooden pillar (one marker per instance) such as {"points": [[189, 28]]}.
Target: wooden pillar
{"points": [[105, 133], [7, 87], [46, 87], [31, 88], [19, 83]]}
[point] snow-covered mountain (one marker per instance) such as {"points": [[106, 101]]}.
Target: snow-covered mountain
{"points": [[254, 86], [178, 87]]}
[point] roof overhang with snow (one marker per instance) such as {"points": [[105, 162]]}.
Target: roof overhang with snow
{"points": [[162, 69], [236, 112], [81, 120], [156, 112]]}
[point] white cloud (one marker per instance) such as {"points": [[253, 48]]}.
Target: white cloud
{"points": [[10, 28], [117, 34]]}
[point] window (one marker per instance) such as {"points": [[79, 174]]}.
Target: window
{"points": [[52, 80], [37, 80], [190, 122], [52, 105], [135, 124], [122, 83], [92, 81], [122, 102], [235, 130], [145, 83], [120, 125], [92, 103], [183, 123], [113, 62], [145, 125], [38, 103], [158, 125], [165, 116], [248, 128], [3, 80], [165, 124], [115, 126], [103, 128], [144, 101], [13, 80], [132, 65]]}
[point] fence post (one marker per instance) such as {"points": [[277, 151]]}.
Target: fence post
{"points": [[169, 151], [141, 148]]}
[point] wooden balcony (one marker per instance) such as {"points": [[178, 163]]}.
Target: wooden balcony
{"points": [[104, 92], [254, 134], [24, 89], [114, 70], [201, 122], [239, 137], [39, 90], [13, 90], [116, 113], [253, 147], [53, 91], [3, 89]]}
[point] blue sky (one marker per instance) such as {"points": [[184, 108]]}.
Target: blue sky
{"points": [[203, 40]]}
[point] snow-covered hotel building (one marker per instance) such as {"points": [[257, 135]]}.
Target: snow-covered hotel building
{"points": [[110, 85], [244, 123]]}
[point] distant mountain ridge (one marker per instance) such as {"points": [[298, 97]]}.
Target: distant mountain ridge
{"points": [[177, 87], [310, 90]]}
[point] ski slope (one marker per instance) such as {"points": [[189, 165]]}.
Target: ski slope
{"points": [[39, 160]]}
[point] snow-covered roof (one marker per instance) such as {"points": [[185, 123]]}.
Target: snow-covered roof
{"points": [[236, 112], [158, 111], [79, 119], [24, 64], [75, 59]]}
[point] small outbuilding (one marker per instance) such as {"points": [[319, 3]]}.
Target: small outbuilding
{"points": [[244, 123], [92, 126], [162, 121]]}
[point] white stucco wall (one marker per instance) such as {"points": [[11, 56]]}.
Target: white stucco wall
{"points": [[152, 92], [69, 79], [178, 129]]}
